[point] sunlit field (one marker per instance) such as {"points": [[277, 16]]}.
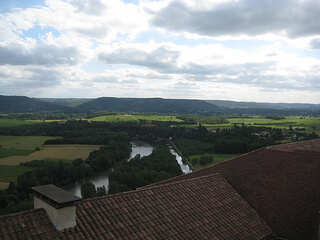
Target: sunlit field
{"points": [[159, 118], [112, 118], [17, 149], [23, 142]]}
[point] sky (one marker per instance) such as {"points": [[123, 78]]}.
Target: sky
{"points": [[239, 50]]}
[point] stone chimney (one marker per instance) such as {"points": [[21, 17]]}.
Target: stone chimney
{"points": [[58, 203]]}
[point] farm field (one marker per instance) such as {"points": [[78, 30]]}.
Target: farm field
{"points": [[11, 173], [25, 146], [14, 122], [148, 118], [23, 142], [112, 118], [311, 124], [217, 158], [159, 118], [70, 151]]}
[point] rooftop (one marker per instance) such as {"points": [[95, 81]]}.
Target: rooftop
{"points": [[282, 183], [205, 207], [269, 191]]}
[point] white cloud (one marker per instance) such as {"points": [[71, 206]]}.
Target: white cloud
{"points": [[290, 18], [166, 48]]}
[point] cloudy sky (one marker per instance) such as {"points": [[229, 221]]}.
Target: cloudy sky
{"points": [[241, 50]]}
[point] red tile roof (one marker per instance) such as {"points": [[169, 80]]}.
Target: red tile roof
{"points": [[282, 183], [202, 208], [312, 145], [34, 224]]}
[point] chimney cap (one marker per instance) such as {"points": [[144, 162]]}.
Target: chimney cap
{"points": [[55, 195]]}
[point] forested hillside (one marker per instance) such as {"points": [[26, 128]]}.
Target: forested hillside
{"points": [[158, 105], [18, 104]]}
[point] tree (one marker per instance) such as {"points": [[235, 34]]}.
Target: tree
{"points": [[88, 190], [101, 191]]}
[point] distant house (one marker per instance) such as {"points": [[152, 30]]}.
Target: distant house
{"points": [[270, 193]]}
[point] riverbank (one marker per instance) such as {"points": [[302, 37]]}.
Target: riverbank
{"points": [[180, 153]]}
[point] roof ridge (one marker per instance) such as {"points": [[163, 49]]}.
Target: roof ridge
{"points": [[142, 189]]}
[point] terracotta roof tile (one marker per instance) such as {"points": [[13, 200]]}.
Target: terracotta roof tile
{"points": [[194, 209], [282, 183]]}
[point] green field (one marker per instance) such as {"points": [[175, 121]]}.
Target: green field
{"points": [[217, 158], [20, 147], [14, 122], [11, 173], [311, 124], [159, 118], [23, 142], [5, 152], [126, 118], [112, 118]]}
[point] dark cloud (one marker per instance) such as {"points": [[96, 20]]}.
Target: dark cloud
{"points": [[43, 77], [250, 17], [17, 54]]}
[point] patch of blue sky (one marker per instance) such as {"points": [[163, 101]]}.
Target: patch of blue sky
{"points": [[136, 2], [312, 53], [8, 5], [37, 32], [94, 66]]}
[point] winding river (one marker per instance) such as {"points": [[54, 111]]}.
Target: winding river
{"points": [[101, 178]]}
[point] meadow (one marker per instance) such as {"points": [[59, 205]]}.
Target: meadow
{"points": [[160, 118], [126, 118], [311, 124], [112, 118], [23, 142], [11, 173], [217, 158], [17, 149]]}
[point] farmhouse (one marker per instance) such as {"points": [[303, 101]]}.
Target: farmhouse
{"points": [[270, 193]]}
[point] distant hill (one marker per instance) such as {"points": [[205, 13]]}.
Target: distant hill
{"points": [[233, 104], [158, 105], [68, 102], [19, 104]]}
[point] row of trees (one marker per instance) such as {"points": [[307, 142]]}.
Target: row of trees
{"points": [[238, 139]]}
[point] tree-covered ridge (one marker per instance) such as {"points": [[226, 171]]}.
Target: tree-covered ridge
{"points": [[18, 104], [159, 105]]}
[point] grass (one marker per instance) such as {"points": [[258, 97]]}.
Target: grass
{"points": [[159, 118], [112, 118], [23, 142], [311, 124], [14, 122], [11, 173], [126, 118], [5, 152], [217, 158], [65, 152]]}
